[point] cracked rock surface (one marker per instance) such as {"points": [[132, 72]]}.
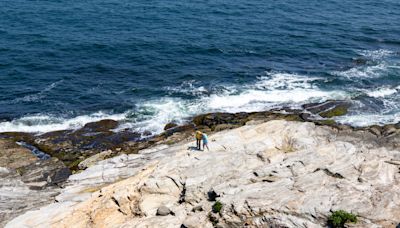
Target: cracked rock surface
{"points": [[26, 182], [278, 173]]}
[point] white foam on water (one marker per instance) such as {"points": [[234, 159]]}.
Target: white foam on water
{"points": [[253, 100], [153, 115], [363, 120], [271, 91], [275, 89], [282, 81], [381, 65], [375, 71], [189, 87], [47, 123], [382, 92], [376, 54]]}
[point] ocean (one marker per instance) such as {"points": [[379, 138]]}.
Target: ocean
{"points": [[146, 63]]}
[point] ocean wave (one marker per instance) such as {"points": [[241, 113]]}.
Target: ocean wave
{"points": [[382, 92], [376, 54], [273, 90], [378, 64], [278, 80], [47, 123], [363, 120], [152, 115], [355, 73], [190, 87], [254, 100], [38, 96]]}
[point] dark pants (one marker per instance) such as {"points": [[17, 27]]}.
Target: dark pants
{"points": [[198, 144]]}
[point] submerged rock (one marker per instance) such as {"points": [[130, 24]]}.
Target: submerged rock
{"points": [[328, 109]]}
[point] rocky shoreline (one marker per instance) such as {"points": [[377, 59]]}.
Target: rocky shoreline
{"points": [[29, 182]]}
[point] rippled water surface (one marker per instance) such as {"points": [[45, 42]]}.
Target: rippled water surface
{"points": [[65, 63]]}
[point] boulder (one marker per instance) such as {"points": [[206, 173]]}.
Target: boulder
{"points": [[163, 211]]}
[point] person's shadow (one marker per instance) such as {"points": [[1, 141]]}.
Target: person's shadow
{"points": [[192, 148]]}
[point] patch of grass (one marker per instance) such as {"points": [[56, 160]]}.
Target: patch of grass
{"points": [[339, 218], [288, 144], [216, 208]]}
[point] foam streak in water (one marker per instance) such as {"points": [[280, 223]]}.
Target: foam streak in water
{"points": [[46, 123]]}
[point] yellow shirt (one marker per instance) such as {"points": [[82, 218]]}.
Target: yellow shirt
{"points": [[199, 135]]}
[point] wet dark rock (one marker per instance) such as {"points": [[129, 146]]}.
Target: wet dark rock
{"points": [[170, 125], [18, 136], [72, 147], [376, 130], [184, 128], [221, 127], [213, 119], [51, 171], [35, 151], [328, 109], [147, 133], [389, 130], [305, 116]]}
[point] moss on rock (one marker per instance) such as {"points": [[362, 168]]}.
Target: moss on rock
{"points": [[336, 111]]}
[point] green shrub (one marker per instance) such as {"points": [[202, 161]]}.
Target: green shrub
{"points": [[339, 218], [216, 208]]}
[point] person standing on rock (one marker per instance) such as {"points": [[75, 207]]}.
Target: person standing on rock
{"points": [[205, 141], [199, 136]]}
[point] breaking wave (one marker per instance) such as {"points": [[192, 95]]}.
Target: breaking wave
{"points": [[45, 123], [369, 86]]}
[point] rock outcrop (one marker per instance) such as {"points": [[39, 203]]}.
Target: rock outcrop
{"points": [[73, 147], [26, 182], [273, 174]]}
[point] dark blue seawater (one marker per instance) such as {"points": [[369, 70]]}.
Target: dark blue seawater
{"points": [[65, 63]]}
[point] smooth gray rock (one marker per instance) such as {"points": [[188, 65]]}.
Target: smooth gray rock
{"points": [[163, 211]]}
